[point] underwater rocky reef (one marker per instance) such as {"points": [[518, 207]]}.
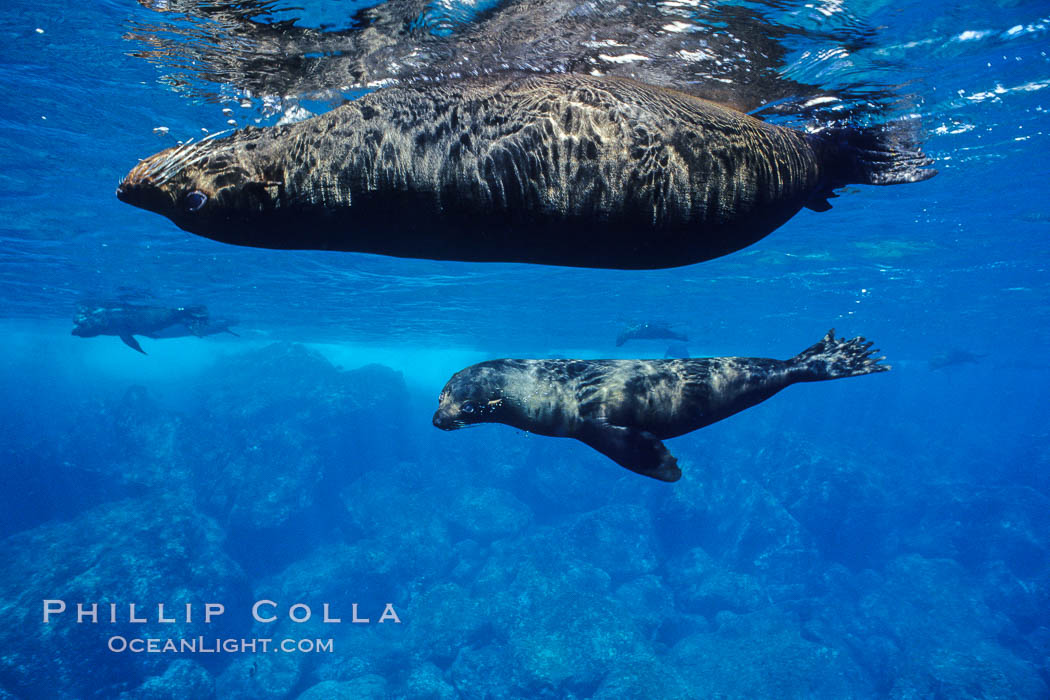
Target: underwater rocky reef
{"points": [[518, 566]]}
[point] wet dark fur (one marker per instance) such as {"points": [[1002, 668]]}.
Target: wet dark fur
{"points": [[623, 408], [556, 169]]}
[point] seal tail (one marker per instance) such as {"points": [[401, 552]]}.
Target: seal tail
{"points": [[885, 154], [833, 358]]}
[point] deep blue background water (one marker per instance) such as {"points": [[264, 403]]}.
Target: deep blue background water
{"points": [[882, 536]]}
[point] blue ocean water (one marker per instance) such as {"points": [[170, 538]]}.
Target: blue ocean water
{"points": [[884, 536]]}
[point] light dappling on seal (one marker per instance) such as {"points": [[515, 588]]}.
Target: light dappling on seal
{"points": [[624, 408], [557, 169]]}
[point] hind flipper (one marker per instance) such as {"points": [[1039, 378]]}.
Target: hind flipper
{"points": [[833, 358], [130, 341], [637, 450]]}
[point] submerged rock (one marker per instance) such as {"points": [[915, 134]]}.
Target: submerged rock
{"points": [[281, 434], [260, 677], [370, 687], [486, 514], [763, 655], [143, 552], [182, 679], [703, 586], [446, 618], [922, 629], [486, 673], [743, 527], [946, 634], [852, 509], [618, 539], [557, 628], [651, 606], [110, 448], [643, 677], [399, 518], [976, 526], [426, 682]]}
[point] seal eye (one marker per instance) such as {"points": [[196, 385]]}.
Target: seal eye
{"points": [[195, 200], [468, 407]]}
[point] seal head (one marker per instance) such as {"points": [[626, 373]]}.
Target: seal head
{"points": [[474, 395], [90, 321], [215, 184]]}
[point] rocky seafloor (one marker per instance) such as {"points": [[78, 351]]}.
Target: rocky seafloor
{"points": [[519, 567]]}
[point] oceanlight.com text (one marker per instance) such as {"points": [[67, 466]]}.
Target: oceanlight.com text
{"points": [[214, 645]]}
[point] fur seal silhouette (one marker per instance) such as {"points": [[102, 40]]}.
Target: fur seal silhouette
{"points": [[624, 408], [128, 320], [677, 351], [556, 169], [649, 331], [954, 357]]}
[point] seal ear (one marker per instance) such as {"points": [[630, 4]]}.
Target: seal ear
{"points": [[637, 450]]}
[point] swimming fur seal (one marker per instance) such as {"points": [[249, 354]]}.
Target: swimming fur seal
{"points": [[624, 408], [954, 357], [557, 169], [649, 331], [677, 350], [128, 320]]}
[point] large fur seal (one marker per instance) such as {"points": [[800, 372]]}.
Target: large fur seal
{"points": [[624, 408], [558, 169]]}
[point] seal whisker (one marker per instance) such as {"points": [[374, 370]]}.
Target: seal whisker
{"points": [[216, 135]]}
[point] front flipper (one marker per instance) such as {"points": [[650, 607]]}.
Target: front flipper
{"points": [[130, 341], [637, 450]]}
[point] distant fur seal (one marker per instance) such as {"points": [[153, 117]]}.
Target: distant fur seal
{"points": [[649, 331], [677, 350], [954, 357], [624, 408], [129, 320], [561, 169]]}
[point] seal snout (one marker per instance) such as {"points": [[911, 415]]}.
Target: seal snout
{"points": [[127, 188], [443, 420], [145, 195]]}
